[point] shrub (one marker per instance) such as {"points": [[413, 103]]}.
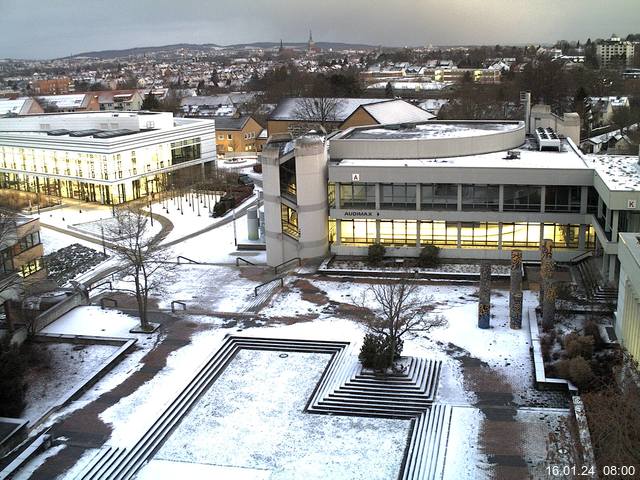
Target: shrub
{"points": [[577, 369], [376, 352], [591, 329], [578, 345], [429, 256], [375, 254], [12, 386]]}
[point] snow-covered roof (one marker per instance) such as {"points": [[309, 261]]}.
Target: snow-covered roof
{"points": [[618, 172], [605, 137], [432, 130], [396, 111], [289, 108], [529, 157], [65, 101], [411, 85], [12, 106]]}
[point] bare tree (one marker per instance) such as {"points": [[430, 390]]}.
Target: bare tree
{"points": [[392, 310], [320, 110], [140, 254]]}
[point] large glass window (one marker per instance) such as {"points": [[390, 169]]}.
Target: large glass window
{"points": [[398, 233], [398, 196], [185, 150], [289, 219], [439, 196], [479, 234], [563, 235], [590, 239], [442, 234], [357, 232], [480, 197], [521, 198], [332, 230], [331, 194], [562, 199], [520, 235], [358, 195], [288, 179]]}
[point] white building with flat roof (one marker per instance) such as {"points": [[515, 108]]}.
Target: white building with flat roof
{"points": [[106, 157]]}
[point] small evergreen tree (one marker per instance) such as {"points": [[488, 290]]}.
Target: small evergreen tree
{"points": [[388, 90], [429, 256], [150, 103], [375, 254]]}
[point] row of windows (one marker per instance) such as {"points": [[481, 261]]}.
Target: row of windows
{"points": [[467, 234], [444, 196], [31, 267]]}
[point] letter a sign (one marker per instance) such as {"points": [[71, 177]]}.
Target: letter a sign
{"points": [[355, 177]]}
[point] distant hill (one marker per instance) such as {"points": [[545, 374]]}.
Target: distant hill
{"points": [[102, 54]]}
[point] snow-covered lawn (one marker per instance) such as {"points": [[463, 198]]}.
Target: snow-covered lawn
{"points": [[253, 417], [53, 240], [185, 218], [75, 212], [65, 366], [93, 321], [218, 245]]}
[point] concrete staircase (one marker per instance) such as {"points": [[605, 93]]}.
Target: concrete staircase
{"points": [[350, 390], [596, 289], [116, 463], [427, 447]]}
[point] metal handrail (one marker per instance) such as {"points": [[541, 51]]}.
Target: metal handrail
{"points": [[255, 290], [91, 287], [105, 299], [178, 302], [187, 259], [286, 262], [581, 256], [239, 259]]}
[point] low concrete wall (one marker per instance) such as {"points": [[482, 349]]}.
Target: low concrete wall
{"points": [[542, 381], [52, 314], [107, 365]]}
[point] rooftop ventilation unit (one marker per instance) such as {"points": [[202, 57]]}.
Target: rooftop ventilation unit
{"points": [[547, 139], [512, 155]]}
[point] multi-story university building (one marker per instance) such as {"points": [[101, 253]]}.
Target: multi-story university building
{"points": [[477, 189], [21, 253], [615, 52], [104, 157]]}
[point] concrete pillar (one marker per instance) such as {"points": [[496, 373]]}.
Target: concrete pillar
{"points": [[500, 236], [311, 180], [515, 292], [484, 296], [459, 198], [600, 205], [418, 242], [582, 237], [418, 196], [607, 221], [378, 195], [337, 195], [543, 198], [338, 232], [501, 198], [615, 221], [272, 216], [611, 277], [584, 199]]}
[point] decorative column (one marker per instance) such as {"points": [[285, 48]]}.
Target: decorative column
{"points": [[515, 293], [549, 307], [546, 266], [484, 296], [547, 288]]}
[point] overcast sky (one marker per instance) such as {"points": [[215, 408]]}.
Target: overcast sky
{"points": [[55, 28]]}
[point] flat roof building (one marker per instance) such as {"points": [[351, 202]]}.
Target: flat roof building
{"points": [[104, 157], [476, 189]]}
